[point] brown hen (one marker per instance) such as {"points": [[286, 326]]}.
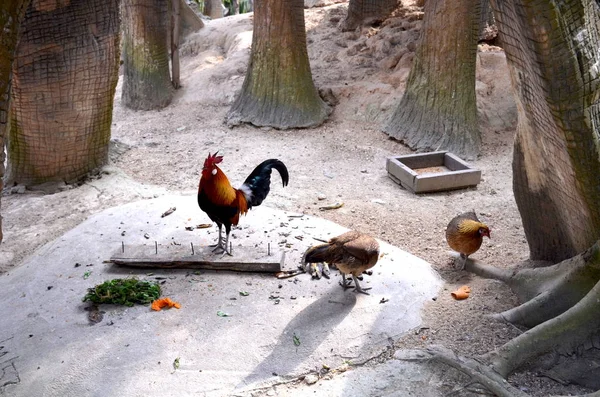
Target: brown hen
{"points": [[351, 252], [465, 234]]}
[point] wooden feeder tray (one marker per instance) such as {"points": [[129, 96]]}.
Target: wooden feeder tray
{"points": [[432, 172]]}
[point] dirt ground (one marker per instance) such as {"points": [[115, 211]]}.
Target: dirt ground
{"points": [[341, 161]]}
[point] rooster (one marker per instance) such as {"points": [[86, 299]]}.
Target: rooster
{"points": [[351, 252], [465, 234], [223, 203]]}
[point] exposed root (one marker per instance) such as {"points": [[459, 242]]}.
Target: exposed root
{"points": [[547, 292], [479, 372], [564, 332], [487, 271]]}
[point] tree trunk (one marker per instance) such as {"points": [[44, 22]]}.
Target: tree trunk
{"points": [[278, 90], [552, 52], [488, 31], [439, 109], [175, 34], [65, 74], [364, 11], [213, 9], [235, 7], [11, 15], [146, 80], [189, 21]]}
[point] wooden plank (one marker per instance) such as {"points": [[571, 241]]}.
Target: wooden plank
{"points": [[422, 160], [447, 181], [455, 163], [401, 172], [244, 259]]}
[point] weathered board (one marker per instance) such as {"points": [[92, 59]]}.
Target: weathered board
{"points": [[243, 259], [459, 174]]}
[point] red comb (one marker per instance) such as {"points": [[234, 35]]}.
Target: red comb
{"points": [[212, 160]]}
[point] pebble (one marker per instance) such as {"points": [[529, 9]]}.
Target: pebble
{"points": [[311, 379]]}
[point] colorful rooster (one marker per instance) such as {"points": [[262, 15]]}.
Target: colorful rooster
{"points": [[223, 203]]}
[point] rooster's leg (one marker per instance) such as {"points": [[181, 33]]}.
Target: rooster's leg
{"points": [[464, 264], [358, 288], [343, 283], [219, 245], [226, 247]]}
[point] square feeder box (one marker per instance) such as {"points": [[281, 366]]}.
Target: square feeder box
{"points": [[432, 172]]}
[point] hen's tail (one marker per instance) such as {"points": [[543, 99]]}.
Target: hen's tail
{"points": [[257, 185], [318, 253]]}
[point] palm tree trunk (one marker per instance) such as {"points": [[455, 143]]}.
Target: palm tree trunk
{"points": [[552, 52], [11, 15], [439, 107], [278, 90], [147, 80], [65, 73]]}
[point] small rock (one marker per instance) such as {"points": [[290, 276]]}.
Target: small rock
{"points": [[19, 189], [146, 236], [321, 196], [311, 379]]}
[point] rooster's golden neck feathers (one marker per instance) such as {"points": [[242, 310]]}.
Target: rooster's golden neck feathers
{"points": [[469, 226], [217, 186]]}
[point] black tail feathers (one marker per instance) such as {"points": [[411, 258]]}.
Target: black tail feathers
{"points": [[256, 187]]}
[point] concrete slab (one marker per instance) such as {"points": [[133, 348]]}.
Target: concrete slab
{"points": [[49, 347]]}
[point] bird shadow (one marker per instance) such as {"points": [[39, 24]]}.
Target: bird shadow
{"points": [[303, 335]]}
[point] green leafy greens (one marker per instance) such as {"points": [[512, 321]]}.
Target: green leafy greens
{"points": [[124, 292]]}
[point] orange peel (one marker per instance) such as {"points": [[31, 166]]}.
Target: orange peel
{"points": [[164, 302], [461, 293]]}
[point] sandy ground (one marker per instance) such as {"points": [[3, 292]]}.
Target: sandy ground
{"points": [[342, 161]]}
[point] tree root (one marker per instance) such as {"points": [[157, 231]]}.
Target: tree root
{"points": [[564, 332], [549, 291], [478, 371]]}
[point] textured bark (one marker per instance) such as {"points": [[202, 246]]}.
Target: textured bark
{"points": [[189, 21], [234, 9], [65, 74], [213, 9], [488, 31], [11, 15], [175, 34], [552, 52], [439, 109], [146, 77], [278, 90], [364, 11]]}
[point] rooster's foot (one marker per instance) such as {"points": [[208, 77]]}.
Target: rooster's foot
{"points": [[362, 290], [359, 288], [346, 283]]}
